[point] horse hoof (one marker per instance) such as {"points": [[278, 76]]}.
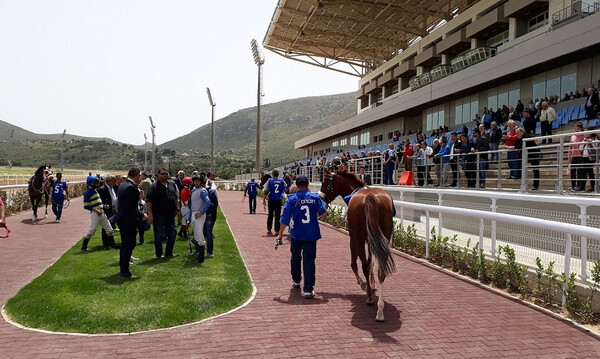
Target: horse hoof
{"points": [[370, 301], [363, 286], [380, 319]]}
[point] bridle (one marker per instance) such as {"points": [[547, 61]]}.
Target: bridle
{"points": [[329, 187]]}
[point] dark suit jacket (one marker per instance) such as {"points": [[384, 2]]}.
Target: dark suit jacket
{"points": [[128, 213], [367, 178], [106, 199], [595, 101]]}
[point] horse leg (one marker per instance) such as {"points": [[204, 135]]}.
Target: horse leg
{"points": [[354, 267], [380, 303], [366, 267], [34, 205], [46, 209]]}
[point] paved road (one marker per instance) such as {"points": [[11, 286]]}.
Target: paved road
{"points": [[429, 313]]}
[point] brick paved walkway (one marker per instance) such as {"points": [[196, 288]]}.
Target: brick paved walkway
{"points": [[428, 313]]}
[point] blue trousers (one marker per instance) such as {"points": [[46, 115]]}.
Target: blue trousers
{"points": [[57, 207], [309, 250], [389, 173], [164, 229], [209, 223], [514, 163]]}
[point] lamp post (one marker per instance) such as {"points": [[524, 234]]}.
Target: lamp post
{"points": [[259, 60], [10, 146], [152, 127], [62, 150], [212, 130], [145, 152]]}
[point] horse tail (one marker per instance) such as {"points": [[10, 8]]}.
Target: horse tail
{"points": [[379, 245]]}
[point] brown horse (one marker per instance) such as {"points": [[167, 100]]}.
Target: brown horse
{"points": [[370, 219], [38, 187]]}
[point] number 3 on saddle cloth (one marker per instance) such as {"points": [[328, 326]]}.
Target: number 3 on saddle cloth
{"points": [[349, 197]]}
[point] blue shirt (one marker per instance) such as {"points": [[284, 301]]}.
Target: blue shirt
{"points": [[252, 188], [300, 214], [199, 201], [58, 191], [276, 188]]}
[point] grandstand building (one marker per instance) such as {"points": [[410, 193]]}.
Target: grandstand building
{"points": [[425, 64]]}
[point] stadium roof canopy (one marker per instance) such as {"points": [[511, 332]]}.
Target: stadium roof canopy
{"points": [[354, 36]]}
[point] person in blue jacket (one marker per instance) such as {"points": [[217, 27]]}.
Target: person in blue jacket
{"points": [[274, 190], [251, 191], [300, 214]]}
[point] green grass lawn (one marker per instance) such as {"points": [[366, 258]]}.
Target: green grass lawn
{"points": [[82, 293]]}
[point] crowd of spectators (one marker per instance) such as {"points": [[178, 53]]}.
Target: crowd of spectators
{"points": [[495, 129]]}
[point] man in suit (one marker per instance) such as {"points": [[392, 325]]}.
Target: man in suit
{"points": [[366, 178], [127, 218], [591, 104], [108, 195]]}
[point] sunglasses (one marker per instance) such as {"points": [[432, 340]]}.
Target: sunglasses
{"points": [[164, 174]]}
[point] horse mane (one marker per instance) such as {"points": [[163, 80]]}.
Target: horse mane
{"points": [[40, 169], [349, 176]]}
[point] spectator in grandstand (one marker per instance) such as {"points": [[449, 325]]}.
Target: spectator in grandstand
{"points": [[512, 156], [547, 117], [468, 160], [421, 159], [444, 156], [407, 153], [529, 123], [592, 104], [514, 115], [533, 155], [520, 107], [389, 163], [481, 144], [455, 147], [487, 118], [576, 160], [589, 151], [437, 166]]}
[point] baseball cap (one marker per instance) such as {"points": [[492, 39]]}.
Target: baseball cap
{"points": [[301, 180]]}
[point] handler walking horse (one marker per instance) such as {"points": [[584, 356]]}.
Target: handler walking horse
{"points": [[38, 187], [370, 219]]}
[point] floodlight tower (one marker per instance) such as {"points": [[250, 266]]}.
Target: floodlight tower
{"points": [[145, 152], [62, 150], [10, 146], [212, 130], [259, 60], [152, 127]]}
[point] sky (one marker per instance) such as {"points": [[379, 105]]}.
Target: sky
{"points": [[100, 68]]}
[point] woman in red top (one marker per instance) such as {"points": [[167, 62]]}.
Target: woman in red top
{"points": [[512, 155]]}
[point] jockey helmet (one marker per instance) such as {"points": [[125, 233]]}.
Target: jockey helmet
{"points": [[91, 179]]}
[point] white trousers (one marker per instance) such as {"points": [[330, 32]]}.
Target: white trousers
{"points": [[198, 224], [101, 220]]}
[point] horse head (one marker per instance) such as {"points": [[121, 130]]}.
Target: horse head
{"points": [[264, 178], [338, 183]]}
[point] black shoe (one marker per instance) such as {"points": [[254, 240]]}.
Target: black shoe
{"points": [[127, 275], [85, 249], [115, 246]]}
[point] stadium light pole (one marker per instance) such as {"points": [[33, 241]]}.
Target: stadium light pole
{"points": [[212, 129], [62, 150], [10, 147], [152, 127], [145, 152], [259, 60]]}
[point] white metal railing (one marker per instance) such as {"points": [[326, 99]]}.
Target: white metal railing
{"points": [[7, 179]]}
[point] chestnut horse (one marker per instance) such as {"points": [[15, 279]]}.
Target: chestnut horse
{"points": [[39, 189], [370, 219]]}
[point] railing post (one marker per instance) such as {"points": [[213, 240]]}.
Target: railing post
{"points": [[499, 169], [524, 158], [481, 233], [583, 247], [559, 158], [567, 268], [440, 216], [427, 234], [494, 207]]}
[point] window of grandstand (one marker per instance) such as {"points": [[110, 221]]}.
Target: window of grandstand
{"points": [[538, 21], [380, 138], [504, 95], [395, 88], [374, 138], [343, 142], [390, 135], [335, 144], [555, 82], [498, 40], [435, 117], [465, 109], [380, 96], [365, 137], [354, 140]]}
